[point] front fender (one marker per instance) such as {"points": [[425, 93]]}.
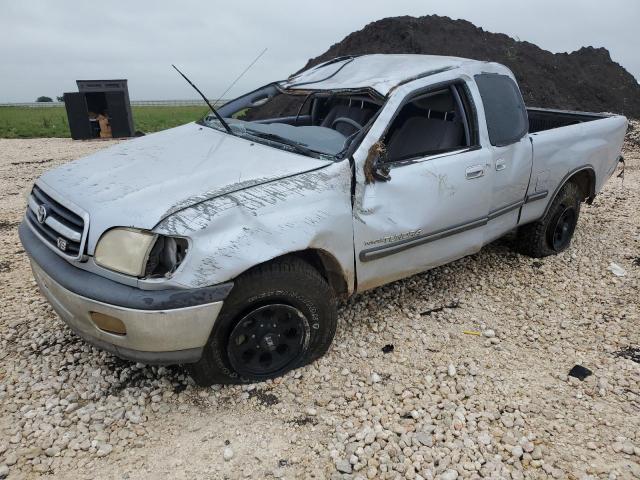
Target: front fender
{"points": [[234, 232]]}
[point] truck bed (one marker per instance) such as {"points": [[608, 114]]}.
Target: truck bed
{"points": [[541, 119], [567, 142]]}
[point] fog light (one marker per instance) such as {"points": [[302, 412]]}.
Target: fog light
{"points": [[108, 323]]}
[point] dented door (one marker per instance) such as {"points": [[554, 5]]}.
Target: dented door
{"points": [[432, 211]]}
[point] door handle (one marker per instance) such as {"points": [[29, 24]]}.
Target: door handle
{"points": [[475, 171], [500, 164]]}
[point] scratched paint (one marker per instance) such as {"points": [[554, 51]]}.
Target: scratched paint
{"points": [[140, 182], [251, 200], [235, 231]]}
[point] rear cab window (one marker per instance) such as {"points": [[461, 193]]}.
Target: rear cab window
{"points": [[505, 111]]}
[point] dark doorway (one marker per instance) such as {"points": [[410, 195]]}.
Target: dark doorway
{"points": [[101, 109]]}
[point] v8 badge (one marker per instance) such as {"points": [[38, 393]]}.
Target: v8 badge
{"points": [[62, 244]]}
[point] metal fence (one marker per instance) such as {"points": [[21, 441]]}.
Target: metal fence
{"points": [[135, 103]]}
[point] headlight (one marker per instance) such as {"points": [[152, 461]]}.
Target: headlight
{"points": [[124, 250], [140, 253]]}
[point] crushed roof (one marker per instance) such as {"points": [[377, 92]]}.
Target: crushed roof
{"points": [[380, 72]]}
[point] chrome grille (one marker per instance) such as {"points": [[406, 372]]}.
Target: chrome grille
{"points": [[61, 228]]}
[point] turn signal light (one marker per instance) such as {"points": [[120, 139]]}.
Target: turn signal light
{"points": [[108, 323]]}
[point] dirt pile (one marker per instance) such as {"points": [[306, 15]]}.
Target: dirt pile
{"points": [[587, 79]]}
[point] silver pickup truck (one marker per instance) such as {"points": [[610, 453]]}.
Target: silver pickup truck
{"points": [[225, 243]]}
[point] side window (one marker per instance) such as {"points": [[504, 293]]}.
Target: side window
{"points": [[506, 114], [431, 123]]}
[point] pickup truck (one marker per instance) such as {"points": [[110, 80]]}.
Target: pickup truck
{"points": [[226, 243]]}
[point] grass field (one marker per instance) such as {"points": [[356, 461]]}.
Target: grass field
{"points": [[30, 122]]}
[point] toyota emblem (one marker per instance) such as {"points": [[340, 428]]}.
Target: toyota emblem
{"points": [[41, 214]]}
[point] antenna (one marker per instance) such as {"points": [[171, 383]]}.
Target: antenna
{"points": [[241, 75], [215, 112]]}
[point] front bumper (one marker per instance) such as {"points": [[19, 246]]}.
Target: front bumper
{"points": [[162, 326]]}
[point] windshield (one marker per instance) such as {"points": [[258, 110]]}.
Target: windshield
{"points": [[317, 140], [315, 123]]}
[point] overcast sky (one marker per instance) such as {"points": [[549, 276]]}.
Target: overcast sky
{"points": [[46, 45]]}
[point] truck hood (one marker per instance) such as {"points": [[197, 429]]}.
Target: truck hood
{"points": [[139, 182]]}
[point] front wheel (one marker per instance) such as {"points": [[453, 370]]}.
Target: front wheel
{"points": [[279, 316], [553, 233]]}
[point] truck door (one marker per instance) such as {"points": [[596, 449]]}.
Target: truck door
{"points": [[433, 208], [511, 150]]}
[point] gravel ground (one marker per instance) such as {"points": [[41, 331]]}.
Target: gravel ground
{"points": [[406, 391]]}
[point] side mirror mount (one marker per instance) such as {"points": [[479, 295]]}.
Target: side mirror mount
{"points": [[376, 167], [381, 170]]}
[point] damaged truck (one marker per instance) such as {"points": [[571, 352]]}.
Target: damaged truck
{"points": [[226, 243]]}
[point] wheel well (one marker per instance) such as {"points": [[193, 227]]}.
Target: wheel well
{"points": [[325, 263], [586, 182], [328, 267]]}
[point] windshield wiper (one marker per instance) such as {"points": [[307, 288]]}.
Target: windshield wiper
{"points": [[277, 138]]}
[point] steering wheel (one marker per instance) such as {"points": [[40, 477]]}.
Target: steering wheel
{"points": [[348, 121]]}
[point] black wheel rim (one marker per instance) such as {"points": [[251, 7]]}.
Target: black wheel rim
{"points": [[563, 229], [268, 340]]}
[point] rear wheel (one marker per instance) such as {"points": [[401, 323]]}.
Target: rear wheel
{"points": [[553, 233], [562, 228], [279, 316]]}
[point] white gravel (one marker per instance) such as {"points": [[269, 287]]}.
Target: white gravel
{"points": [[478, 389]]}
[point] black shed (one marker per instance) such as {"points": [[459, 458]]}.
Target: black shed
{"points": [[100, 109]]}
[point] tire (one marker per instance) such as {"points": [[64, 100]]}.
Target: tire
{"points": [[288, 292], [553, 233]]}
